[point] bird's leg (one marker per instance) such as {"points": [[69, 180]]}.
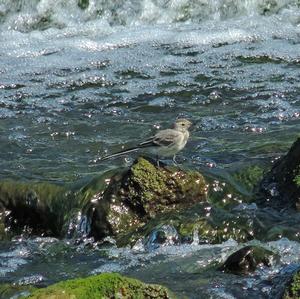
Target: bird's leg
{"points": [[174, 160], [157, 161]]}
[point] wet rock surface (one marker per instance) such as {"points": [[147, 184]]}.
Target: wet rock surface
{"points": [[280, 187], [200, 224], [34, 208], [248, 259]]}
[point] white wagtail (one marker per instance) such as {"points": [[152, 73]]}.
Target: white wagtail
{"points": [[165, 143]]}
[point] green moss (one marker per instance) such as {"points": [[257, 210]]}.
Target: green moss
{"points": [[146, 175], [249, 177], [295, 287], [297, 180], [107, 285], [157, 188], [293, 290]]}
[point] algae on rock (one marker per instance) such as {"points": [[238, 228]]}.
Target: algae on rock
{"points": [[150, 190]]}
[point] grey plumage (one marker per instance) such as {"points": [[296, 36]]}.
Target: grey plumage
{"points": [[165, 143]]}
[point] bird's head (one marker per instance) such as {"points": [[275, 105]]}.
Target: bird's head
{"points": [[182, 124]]}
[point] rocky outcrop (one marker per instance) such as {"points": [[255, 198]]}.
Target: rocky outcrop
{"points": [[140, 194]]}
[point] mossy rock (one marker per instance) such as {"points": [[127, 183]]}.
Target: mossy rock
{"points": [[141, 193], [280, 188], [107, 285], [150, 189]]}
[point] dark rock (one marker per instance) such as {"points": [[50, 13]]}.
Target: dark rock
{"points": [[280, 188], [248, 259], [34, 208], [140, 194]]}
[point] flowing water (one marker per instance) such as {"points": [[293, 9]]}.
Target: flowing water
{"points": [[78, 79]]}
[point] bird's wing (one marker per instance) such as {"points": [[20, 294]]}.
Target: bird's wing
{"points": [[163, 138]]}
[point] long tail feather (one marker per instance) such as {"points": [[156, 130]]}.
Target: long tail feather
{"points": [[123, 152]]}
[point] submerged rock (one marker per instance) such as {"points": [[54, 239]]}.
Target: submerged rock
{"points": [[200, 224], [235, 188], [140, 194], [280, 188], [107, 285], [248, 259]]}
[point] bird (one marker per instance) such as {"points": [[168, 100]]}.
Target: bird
{"points": [[165, 143]]}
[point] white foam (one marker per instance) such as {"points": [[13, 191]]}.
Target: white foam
{"points": [[31, 14]]}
